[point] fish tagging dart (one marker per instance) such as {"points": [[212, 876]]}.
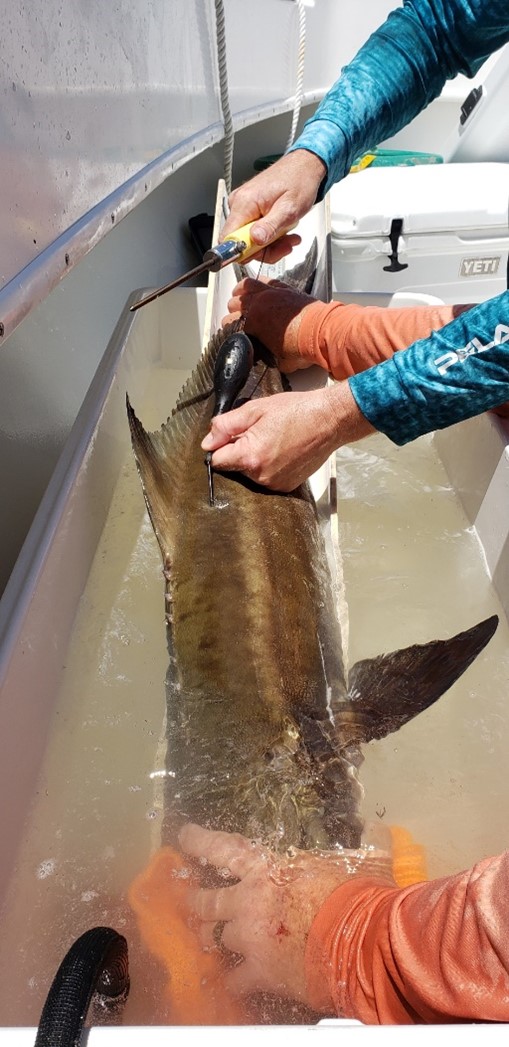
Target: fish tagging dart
{"points": [[233, 364], [239, 247]]}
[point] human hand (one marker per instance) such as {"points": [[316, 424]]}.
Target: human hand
{"points": [[273, 312], [269, 912], [278, 196], [280, 440]]}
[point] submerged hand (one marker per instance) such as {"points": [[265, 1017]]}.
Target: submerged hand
{"points": [[279, 441], [278, 197], [269, 912], [273, 313]]}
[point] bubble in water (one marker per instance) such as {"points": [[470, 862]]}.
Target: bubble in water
{"points": [[180, 874], [46, 868]]}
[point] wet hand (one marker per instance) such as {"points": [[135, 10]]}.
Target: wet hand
{"points": [[279, 441], [273, 313], [267, 915], [278, 197]]}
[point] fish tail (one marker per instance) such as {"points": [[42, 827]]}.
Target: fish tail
{"points": [[386, 692]]}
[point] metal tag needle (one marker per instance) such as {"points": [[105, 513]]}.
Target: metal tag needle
{"points": [[239, 247], [213, 260], [208, 463]]}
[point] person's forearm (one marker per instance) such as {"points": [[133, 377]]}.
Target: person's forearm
{"points": [[454, 374], [347, 421], [435, 952], [347, 339], [400, 69]]}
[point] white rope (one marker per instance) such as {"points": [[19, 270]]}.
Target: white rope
{"points": [[299, 89], [225, 98]]}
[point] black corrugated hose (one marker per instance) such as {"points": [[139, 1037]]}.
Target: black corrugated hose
{"points": [[97, 963]]}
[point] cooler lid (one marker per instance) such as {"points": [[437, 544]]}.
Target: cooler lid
{"points": [[429, 198]]}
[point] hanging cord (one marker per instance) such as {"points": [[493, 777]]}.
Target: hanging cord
{"points": [[243, 318], [225, 98], [299, 89]]}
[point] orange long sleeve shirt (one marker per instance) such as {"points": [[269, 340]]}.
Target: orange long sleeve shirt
{"points": [[435, 952], [346, 339]]}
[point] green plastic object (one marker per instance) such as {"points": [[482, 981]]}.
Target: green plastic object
{"points": [[395, 158], [372, 158]]}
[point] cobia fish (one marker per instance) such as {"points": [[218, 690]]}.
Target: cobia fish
{"points": [[264, 732]]}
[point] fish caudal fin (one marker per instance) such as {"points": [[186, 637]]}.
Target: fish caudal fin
{"points": [[386, 692]]}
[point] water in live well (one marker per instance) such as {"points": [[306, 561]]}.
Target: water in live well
{"points": [[414, 571]]}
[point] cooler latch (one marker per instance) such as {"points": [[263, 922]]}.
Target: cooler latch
{"points": [[396, 229]]}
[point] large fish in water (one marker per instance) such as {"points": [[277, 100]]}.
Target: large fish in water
{"points": [[264, 732]]}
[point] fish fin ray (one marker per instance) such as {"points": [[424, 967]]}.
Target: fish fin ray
{"points": [[161, 455], [302, 276], [201, 383], [157, 467], [388, 691]]}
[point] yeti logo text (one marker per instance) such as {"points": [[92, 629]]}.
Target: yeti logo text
{"points": [[443, 363], [479, 266]]}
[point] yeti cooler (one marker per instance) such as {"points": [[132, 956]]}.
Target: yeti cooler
{"points": [[440, 230]]}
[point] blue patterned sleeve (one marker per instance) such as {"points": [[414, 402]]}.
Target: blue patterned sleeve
{"points": [[400, 69], [456, 373]]}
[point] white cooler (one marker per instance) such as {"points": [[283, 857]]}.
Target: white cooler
{"points": [[439, 230]]}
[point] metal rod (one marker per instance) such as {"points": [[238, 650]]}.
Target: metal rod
{"points": [[202, 268], [208, 463]]}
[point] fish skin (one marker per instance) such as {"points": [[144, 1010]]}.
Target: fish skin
{"points": [[264, 736], [256, 645]]}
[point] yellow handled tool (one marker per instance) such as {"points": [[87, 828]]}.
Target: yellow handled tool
{"points": [[237, 248]]}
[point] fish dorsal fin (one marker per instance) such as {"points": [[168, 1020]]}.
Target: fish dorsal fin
{"points": [[158, 469], [302, 276], [200, 384], [388, 691], [161, 456]]}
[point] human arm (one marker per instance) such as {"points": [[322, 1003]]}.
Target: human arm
{"points": [[342, 339], [279, 441], [269, 912], [456, 373], [400, 69], [334, 932], [432, 953]]}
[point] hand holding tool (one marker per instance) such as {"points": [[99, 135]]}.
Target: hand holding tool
{"points": [[239, 247]]}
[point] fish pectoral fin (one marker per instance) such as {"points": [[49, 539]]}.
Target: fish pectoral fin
{"points": [[388, 691]]}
